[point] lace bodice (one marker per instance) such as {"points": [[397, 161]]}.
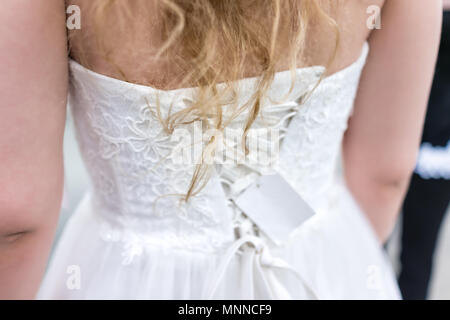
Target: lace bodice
{"points": [[135, 165]]}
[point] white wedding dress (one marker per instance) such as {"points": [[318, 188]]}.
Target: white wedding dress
{"points": [[129, 240]]}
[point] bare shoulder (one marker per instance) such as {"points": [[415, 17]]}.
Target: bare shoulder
{"points": [[30, 18], [447, 4], [409, 35], [412, 17], [32, 31]]}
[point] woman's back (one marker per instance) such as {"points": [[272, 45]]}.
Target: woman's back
{"points": [[140, 172], [161, 220], [133, 54]]}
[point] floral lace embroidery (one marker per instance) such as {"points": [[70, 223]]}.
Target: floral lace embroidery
{"points": [[132, 167]]}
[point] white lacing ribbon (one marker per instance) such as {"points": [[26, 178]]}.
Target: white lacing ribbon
{"points": [[259, 262]]}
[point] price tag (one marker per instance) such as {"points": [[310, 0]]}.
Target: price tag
{"points": [[274, 206]]}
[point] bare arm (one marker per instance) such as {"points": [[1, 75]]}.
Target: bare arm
{"points": [[382, 141], [33, 89], [446, 4]]}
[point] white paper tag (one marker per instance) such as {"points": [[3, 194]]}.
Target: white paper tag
{"points": [[274, 206]]}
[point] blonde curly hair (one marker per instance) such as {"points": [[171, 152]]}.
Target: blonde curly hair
{"points": [[212, 41]]}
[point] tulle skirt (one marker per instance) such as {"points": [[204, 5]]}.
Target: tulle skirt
{"points": [[333, 255]]}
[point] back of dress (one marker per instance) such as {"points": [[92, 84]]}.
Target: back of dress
{"points": [[132, 237]]}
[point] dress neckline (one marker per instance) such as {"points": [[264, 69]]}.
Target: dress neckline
{"points": [[77, 67]]}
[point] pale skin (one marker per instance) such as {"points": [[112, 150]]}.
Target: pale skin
{"points": [[379, 148], [446, 4], [33, 90], [381, 144]]}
